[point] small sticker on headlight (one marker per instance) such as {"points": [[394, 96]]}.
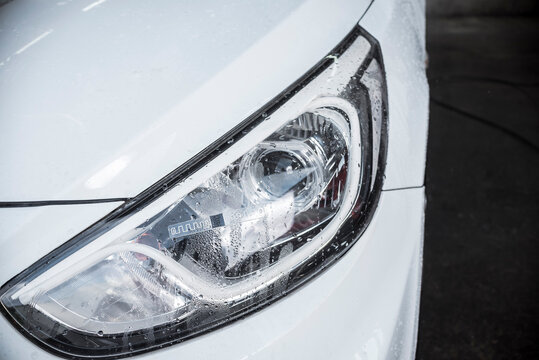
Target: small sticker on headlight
{"points": [[195, 226]]}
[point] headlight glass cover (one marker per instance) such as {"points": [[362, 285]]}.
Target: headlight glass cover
{"points": [[260, 212]]}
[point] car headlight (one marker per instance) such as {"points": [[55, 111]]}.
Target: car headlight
{"points": [[270, 205]]}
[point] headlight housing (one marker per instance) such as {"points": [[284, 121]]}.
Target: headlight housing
{"points": [[257, 214]]}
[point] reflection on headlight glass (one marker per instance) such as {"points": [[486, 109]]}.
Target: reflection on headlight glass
{"points": [[245, 218]]}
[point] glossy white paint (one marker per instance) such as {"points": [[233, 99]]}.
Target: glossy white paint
{"points": [[127, 94], [350, 311], [171, 83], [28, 234], [399, 26]]}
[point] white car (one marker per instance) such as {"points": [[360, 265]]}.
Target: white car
{"points": [[212, 179]]}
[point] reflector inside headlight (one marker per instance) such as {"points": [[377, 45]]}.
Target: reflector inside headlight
{"points": [[279, 204]]}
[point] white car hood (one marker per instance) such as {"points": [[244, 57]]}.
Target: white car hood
{"points": [[100, 99]]}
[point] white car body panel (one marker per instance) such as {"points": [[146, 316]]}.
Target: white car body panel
{"points": [[399, 26], [152, 86], [364, 306], [152, 112]]}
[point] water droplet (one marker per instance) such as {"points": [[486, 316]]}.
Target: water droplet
{"points": [[100, 333]]}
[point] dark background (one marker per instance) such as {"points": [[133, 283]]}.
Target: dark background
{"points": [[480, 290]]}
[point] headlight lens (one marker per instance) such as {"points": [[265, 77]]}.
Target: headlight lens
{"points": [[218, 245]]}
